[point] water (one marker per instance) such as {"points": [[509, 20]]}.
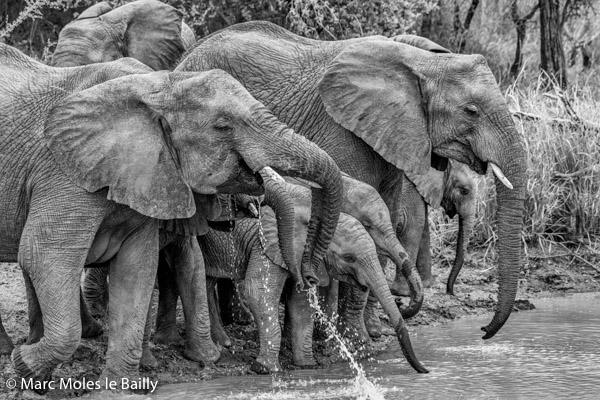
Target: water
{"points": [[552, 352]]}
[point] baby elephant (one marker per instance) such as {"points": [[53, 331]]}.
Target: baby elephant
{"points": [[351, 257]]}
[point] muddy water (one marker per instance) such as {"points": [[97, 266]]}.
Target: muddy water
{"points": [[552, 352]]}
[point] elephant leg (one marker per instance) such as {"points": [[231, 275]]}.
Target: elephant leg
{"points": [[302, 322], [148, 360], [424, 255], [132, 278], [52, 253], [34, 312], [239, 311], [6, 345], [372, 321], [90, 328], [95, 289], [217, 331], [351, 304], [263, 290], [328, 299], [166, 332], [188, 264]]}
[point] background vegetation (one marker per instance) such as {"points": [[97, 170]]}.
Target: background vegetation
{"points": [[557, 110]]}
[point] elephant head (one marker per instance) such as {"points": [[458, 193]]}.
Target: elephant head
{"points": [[415, 107], [351, 257], [147, 30], [460, 197], [363, 202], [157, 140]]}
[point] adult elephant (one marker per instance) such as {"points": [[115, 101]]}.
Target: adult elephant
{"points": [[94, 157], [379, 107], [148, 30]]}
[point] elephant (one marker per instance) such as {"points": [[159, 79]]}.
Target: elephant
{"points": [[383, 109], [95, 157], [148, 30], [351, 257], [362, 202], [458, 187]]}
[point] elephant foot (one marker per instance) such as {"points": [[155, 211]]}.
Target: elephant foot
{"points": [[148, 361], [220, 337], [40, 382], [265, 366], [91, 329], [202, 354], [167, 336], [305, 362]]}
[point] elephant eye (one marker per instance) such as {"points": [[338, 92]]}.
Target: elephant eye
{"points": [[464, 191], [349, 258], [472, 110], [223, 125]]}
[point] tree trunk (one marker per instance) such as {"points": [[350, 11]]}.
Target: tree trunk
{"points": [[552, 56], [521, 26]]}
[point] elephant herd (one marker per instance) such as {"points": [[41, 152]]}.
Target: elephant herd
{"points": [[141, 152]]}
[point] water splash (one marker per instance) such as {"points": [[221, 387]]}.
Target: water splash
{"points": [[365, 389]]}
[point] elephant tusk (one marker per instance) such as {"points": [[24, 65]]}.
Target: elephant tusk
{"points": [[253, 210], [268, 171], [500, 175]]}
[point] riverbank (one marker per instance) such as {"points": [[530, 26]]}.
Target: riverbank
{"points": [[543, 274]]}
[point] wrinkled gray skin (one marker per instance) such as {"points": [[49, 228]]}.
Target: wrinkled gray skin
{"points": [[379, 107], [148, 30], [352, 257], [180, 274], [458, 186], [154, 33], [364, 203], [96, 156]]}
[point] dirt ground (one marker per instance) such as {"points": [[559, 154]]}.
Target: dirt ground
{"points": [[475, 294]]}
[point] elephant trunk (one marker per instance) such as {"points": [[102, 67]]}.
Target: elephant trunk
{"points": [[410, 273], [274, 144], [277, 197], [465, 226], [378, 285], [509, 216]]}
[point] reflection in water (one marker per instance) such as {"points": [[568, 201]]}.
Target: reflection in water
{"points": [[552, 352]]}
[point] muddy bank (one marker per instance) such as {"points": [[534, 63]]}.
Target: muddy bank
{"points": [[475, 294]]}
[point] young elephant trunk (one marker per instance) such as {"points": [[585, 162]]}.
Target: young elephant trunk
{"points": [[274, 144], [277, 197], [465, 226], [410, 273], [379, 287]]}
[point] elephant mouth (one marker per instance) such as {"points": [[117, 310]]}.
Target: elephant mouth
{"points": [[459, 152], [243, 180]]}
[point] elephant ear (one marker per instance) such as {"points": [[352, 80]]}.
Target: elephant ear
{"points": [[111, 135], [430, 186], [372, 90], [95, 11], [421, 42], [152, 32]]}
